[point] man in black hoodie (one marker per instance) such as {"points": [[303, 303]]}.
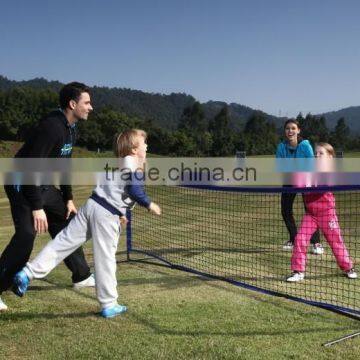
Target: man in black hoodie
{"points": [[37, 209]]}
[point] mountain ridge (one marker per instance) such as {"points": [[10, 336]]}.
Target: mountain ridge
{"points": [[165, 110]]}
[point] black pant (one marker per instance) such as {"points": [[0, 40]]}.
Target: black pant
{"points": [[18, 251], [287, 202]]}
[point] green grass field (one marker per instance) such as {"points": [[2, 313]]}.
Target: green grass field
{"points": [[173, 314]]}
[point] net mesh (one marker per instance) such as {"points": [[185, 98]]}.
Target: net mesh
{"points": [[239, 236]]}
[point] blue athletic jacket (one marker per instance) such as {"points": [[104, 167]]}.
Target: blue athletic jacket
{"points": [[302, 150]]}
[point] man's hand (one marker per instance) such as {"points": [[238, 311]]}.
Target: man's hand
{"points": [[40, 221], [155, 208], [71, 208]]}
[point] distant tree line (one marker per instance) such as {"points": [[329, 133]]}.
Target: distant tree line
{"points": [[22, 107]]}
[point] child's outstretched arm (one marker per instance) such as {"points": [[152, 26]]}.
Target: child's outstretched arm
{"points": [[137, 193]]}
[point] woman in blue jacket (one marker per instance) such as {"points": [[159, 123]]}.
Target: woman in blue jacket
{"points": [[295, 147]]}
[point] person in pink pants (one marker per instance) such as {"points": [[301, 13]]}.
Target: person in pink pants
{"points": [[320, 214]]}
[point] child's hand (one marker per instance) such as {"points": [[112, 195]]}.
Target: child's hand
{"points": [[123, 220], [155, 208]]}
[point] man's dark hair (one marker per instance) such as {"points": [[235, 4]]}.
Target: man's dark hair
{"points": [[72, 91]]}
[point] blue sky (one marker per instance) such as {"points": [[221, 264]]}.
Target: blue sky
{"points": [[275, 55]]}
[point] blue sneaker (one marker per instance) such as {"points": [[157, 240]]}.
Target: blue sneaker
{"points": [[113, 311], [21, 283]]}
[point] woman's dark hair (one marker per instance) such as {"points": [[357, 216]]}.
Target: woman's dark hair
{"points": [[72, 91], [292, 121]]}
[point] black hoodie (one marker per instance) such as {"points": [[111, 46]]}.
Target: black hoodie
{"points": [[52, 138]]}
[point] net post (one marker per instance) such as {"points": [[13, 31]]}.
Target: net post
{"points": [[128, 235], [351, 336]]}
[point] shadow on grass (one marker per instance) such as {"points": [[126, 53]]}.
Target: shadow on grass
{"points": [[190, 281], [47, 288], [165, 281], [270, 331], [191, 252], [56, 286], [187, 282], [21, 316]]}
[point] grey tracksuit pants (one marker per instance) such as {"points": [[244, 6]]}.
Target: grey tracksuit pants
{"points": [[91, 221]]}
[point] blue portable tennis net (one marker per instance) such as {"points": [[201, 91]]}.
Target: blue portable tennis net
{"points": [[239, 235]]}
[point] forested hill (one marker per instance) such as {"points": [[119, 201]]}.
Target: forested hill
{"points": [[164, 110], [350, 114], [38, 83], [177, 124], [238, 114]]}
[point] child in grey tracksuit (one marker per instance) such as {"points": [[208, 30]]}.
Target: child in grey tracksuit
{"points": [[100, 218]]}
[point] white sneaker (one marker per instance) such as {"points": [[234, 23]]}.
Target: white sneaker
{"points": [[89, 282], [317, 249], [296, 276], [351, 274], [288, 246], [3, 306]]}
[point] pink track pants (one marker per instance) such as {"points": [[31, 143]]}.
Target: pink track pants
{"points": [[327, 222]]}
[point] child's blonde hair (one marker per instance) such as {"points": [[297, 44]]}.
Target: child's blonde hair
{"points": [[329, 149], [126, 141]]}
